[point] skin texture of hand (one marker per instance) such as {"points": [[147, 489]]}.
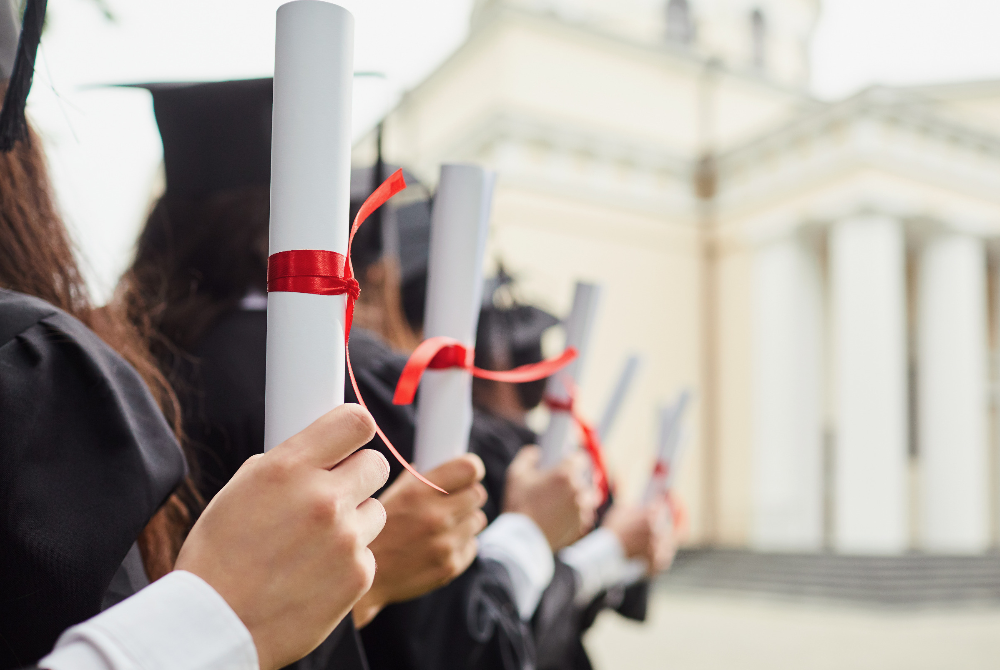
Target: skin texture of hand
{"points": [[429, 537], [645, 532], [560, 500], [285, 542]]}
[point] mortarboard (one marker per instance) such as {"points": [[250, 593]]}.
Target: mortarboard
{"points": [[509, 333], [216, 135]]}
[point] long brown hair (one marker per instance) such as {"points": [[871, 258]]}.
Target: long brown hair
{"points": [[195, 259], [36, 258]]}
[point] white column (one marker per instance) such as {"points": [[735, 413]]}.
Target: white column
{"points": [[788, 382], [951, 387], [868, 300]]}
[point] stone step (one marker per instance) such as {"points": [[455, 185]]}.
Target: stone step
{"points": [[910, 579]]}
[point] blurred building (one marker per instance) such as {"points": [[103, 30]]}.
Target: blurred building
{"points": [[820, 274]]}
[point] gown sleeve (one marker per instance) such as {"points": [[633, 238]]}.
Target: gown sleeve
{"points": [[472, 622], [86, 459]]}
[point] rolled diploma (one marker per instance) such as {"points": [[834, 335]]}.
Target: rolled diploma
{"points": [[459, 226], [559, 438], [667, 451], [310, 195], [617, 398], [668, 445]]}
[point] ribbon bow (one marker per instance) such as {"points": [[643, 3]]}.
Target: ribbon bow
{"points": [[591, 440], [322, 272], [441, 353]]}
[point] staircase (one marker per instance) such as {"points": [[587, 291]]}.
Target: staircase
{"points": [[905, 580]]}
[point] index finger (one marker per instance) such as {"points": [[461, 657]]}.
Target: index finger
{"points": [[333, 437]]}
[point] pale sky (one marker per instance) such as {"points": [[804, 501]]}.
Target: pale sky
{"points": [[103, 147]]}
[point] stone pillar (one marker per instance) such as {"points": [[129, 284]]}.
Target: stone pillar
{"points": [[952, 396], [788, 383], [868, 301]]}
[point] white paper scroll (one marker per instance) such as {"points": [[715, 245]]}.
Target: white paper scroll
{"points": [[560, 438], [459, 226], [310, 195], [617, 399], [668, 443]]}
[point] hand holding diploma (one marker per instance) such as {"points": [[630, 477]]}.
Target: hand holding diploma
{"points": [[648, 535], [559, 500], [285, 541], [430, 539]]}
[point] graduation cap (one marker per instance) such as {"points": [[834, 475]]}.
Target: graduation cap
{"points": [[216, 135], [18, 47], [510, 335]]}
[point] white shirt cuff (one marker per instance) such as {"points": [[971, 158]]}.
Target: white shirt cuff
{"points": [[516, 542], [176, 623], [599, 563]]}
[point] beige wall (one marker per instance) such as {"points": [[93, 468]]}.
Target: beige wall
{"points": [[650, 272]]}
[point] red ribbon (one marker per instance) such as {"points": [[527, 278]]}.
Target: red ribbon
{"points": [[678, 511], [591, 440], [441, 353], [322, 272]]}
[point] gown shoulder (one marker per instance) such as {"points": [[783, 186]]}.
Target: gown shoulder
{"points": [[86, 459]]}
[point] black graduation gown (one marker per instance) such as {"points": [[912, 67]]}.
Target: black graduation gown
{"points": [[222, 396], [473, 621], [86, 459], [558, 625]]}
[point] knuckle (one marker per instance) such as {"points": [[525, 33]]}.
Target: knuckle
{"points": [[454, 565], [441, 551], [277, 470], [436, 522], [322, 509]]}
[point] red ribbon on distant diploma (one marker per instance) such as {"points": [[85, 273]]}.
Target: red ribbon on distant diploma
{"points": [[678, 510], [442, 353], [591, 440], [322, 272]]}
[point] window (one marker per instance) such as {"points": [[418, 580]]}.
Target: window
{"points": [[758, 39], [679, 26]]}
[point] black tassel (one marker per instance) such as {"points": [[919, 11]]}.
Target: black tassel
{"points": [[13, 125]]}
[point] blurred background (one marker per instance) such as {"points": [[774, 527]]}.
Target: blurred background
{"points": [[794, 208]]}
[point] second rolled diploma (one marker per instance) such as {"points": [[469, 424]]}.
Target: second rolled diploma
{"points": [[560, 438], [459, 229]]}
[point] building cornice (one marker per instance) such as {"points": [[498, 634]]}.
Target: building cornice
{"points": [[828, 163]]}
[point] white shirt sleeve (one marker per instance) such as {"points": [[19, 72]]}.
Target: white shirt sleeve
{"points": [[517, 543], [176, 623], [599, 563]]}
